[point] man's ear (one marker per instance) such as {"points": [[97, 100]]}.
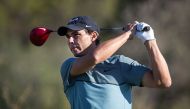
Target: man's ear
{"points": [[94, 35]]}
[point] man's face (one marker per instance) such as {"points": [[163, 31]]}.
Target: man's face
{"points": [[79, 42]]}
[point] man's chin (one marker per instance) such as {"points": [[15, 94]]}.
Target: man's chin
{"points": [[78, 54]]}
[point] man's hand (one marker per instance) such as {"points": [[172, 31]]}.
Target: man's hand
{"points": [[144, 35], [130, 28]]}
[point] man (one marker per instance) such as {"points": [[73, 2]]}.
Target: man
{"points": [[94, 79]]}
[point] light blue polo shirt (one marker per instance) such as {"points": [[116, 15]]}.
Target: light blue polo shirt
{"points": [[107, 86]]}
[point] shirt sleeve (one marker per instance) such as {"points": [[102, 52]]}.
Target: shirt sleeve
{"points": [[65, 71], [133, 71]]}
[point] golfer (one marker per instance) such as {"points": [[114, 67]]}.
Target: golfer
{"points": [[95, 78]]}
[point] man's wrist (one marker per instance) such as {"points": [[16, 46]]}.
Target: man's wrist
{"points": [[128, 34], [148, 43]]}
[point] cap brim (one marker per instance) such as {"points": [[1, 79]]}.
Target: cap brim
{"points": [[63, 30]]}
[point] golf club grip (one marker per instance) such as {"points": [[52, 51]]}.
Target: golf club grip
{"points": [[146, 28]]}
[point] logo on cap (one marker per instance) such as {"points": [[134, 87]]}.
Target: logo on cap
{"points": [[87, 26], [78, 20], [73, 20]]}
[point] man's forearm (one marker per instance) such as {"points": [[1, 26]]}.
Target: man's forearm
{"points": [[109, 47], [159, 66]]}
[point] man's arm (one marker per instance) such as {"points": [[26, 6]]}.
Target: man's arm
{"points": [[160, 76], [100, 53]]}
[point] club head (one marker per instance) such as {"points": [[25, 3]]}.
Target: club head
{"points": [[39, 35]]}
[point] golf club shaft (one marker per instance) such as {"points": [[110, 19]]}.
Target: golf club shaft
{"points": [[110, 29], [147, 28]]}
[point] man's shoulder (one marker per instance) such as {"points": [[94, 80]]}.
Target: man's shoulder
{"points": [[120, 58], [68, 60]]}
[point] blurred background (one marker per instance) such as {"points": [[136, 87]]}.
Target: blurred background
{"points": [[30, 75]]}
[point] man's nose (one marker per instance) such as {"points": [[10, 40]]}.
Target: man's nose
{"points": [[71, 39]]}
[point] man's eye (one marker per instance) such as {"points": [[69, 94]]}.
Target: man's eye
{"points": [[68, 36], [76, 34]]}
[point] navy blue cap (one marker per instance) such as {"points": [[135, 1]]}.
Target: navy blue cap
{"points": [[79, 23]]}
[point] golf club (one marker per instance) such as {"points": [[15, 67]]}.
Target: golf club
{"points": [[39, 35]]}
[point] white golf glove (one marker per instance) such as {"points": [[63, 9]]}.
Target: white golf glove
{"points": [[144, 35]]}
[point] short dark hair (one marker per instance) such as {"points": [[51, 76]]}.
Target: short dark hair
{"points": [[97, 41]]}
